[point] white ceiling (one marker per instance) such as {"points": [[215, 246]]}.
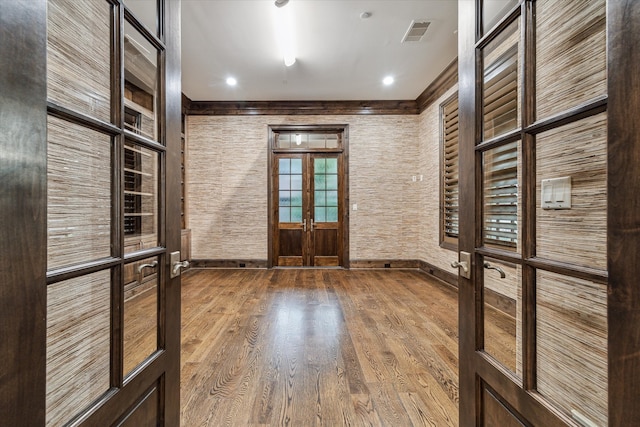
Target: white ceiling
{"points": [[339, 55]]}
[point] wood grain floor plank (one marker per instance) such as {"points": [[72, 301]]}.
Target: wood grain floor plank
{"points": [[324, 347], [417, 410]]}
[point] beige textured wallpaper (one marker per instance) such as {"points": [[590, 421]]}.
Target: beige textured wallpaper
{"points": [[227, 184]]}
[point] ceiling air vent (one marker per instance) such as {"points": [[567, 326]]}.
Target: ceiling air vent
{"points": [[416, 31]]}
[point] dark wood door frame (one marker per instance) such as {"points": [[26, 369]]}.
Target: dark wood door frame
{"points": [[344, 192], [23, 207], [623, 210]]}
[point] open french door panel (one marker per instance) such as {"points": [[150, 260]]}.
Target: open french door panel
{"points": [[533, 277], [113, 162]]}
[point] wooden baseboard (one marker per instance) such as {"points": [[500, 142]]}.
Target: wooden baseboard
{"points": [[259, 263], [492, 298], [500, 302], [437, 272], [228, 263], [383, 263]]}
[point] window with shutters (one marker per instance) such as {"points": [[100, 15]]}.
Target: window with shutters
{"points": [[449, 177]]}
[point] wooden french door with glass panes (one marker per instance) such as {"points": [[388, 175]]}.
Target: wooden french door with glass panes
{"points": [[533, 279], [308, 200], [113, 304]]}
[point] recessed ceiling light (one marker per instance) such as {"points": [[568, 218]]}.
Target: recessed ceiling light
{"points": [[231, 81], [388, 80]]}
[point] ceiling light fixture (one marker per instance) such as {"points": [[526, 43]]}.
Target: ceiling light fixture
{"points": [[289, 60], [388, 80], [231, 81], [284, 32]]}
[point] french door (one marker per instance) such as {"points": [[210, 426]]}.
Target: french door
{"points": [[99, 313], [308, 204], [544, 288]]}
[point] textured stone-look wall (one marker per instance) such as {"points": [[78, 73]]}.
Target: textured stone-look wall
{"points": [[227, 184], [429, 213]]}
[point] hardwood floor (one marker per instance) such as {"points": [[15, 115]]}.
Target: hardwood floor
{"points": [[297, 347]]}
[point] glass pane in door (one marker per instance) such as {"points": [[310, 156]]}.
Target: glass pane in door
{"points": [[79, 194], [571, 337], [140, 83], [78, 344], [140, 329], [501, 195], [501, 84], [502, 296], [493, 11], [78, 56], [146, 12], [571, 54], [325, 185], [577, 151], [290, 190], [140, 197]]}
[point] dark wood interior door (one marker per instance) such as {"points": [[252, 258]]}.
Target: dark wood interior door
{"points": [[307, 195], [291, 201], [325, 234], [113, 219], [533, 269]]}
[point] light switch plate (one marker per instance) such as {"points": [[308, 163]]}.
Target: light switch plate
{"points": [[556, 193]]}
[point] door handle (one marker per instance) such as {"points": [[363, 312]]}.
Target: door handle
{"points": [[304, 225], [312, 224], [141, 267], [175, 269], [463, 264], [492, 267], [176, 264], [460, 264]]}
